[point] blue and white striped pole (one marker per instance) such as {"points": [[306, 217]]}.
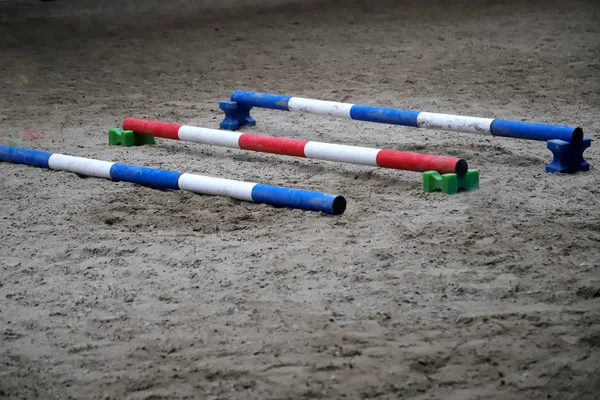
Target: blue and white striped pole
{"points": [[254, 192], [238, 113]]}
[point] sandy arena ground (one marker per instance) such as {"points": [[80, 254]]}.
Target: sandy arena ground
{"points": [[115, 291]]}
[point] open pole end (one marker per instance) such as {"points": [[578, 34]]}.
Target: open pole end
{"points": [[338, 206], [461, 167], [577, 135]]}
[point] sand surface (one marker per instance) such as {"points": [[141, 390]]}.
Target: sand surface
{"points": [[115, 291]]}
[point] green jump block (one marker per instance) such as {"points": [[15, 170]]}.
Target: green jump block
{"points": [[119, 137], [450, 183]]}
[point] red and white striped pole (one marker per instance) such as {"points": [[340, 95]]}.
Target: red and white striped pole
{"points": [[299, 148]]}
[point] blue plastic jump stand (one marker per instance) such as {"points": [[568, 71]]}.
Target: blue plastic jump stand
{"points": [[568, 157], [236, 115]]}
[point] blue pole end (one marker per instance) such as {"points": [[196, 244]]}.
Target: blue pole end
{"points": [[536, 131], [296, 198], [19, 155]]}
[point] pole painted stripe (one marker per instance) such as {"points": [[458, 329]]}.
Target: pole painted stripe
{"points": [[341, 153], [275, 145], [419, 162], [456, 123], [152, 128], [18, 155], [296, 198], [320, 107], [216, 186], [210, 136], [145, 176], [536, 131], [81, 166], [263, 100], [384, 115]]}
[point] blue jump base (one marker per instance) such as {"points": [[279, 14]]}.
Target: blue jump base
{"points": [[568, 157]]}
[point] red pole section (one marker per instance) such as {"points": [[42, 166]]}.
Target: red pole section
{"points": [[275, 145], [300, 148], [421, 162], [152, 128]]}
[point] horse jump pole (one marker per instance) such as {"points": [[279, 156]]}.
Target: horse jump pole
{"points": [[237, 113], [163, 179], [299, 148]]}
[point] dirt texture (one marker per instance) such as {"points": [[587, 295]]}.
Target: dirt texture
{"points": [[110, 290]]}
